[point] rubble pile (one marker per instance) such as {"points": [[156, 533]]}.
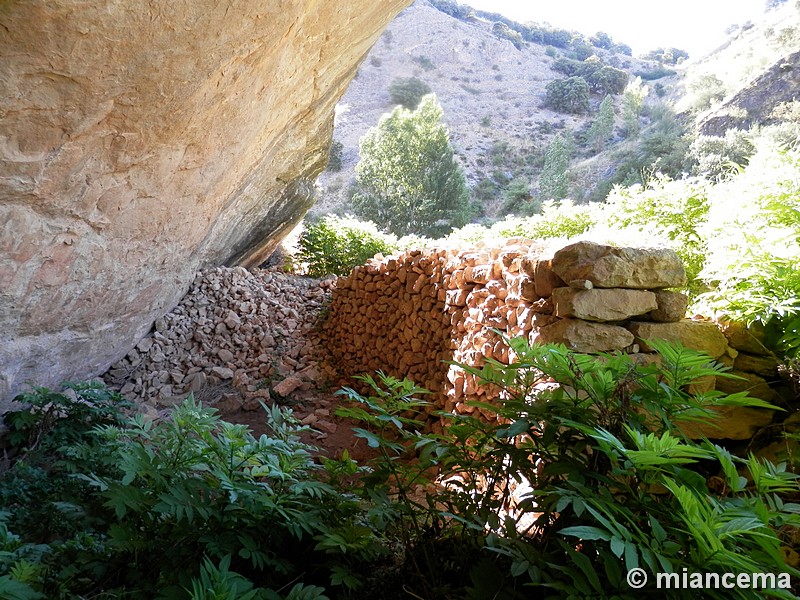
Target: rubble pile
{"points": [[247, 331]]}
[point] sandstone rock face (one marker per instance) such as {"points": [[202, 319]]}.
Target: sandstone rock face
{"points": [[611, 267], [729, 423], [140, 142], [698, 335], [602, 304], [671, 307], [583, 336]]}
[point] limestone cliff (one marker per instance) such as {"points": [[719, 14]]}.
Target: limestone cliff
{"points": [[140, 142]]}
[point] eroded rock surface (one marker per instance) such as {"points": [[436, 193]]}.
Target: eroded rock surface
{"points": [[140, 142]]}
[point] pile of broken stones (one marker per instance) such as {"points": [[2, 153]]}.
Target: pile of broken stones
{"points": [[237, 339]]}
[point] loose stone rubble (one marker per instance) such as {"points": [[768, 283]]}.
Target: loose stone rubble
{"points": [[237, 338]]}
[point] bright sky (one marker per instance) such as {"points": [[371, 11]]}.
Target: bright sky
{"points": [[696, 26]]}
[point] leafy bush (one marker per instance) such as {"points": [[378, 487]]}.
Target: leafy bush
{"points": [[653, 74], [335, 245], [185, 507], [717, 156], [675, 211], [705, 90], [570, 95], [408, 91], [503, 31], [562, 219], [335, 156], [608, 80], [424, 62], [614, 485], [753, 265], [670, 56]]}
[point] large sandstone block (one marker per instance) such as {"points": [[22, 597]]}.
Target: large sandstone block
{"points": [[142, 141], [703, 336], [611, 267], [744, 338], [671, 307], [729, 423], [584, 336], [602, 304]]}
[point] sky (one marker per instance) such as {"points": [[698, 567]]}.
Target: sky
{"points": [[697, 26]]}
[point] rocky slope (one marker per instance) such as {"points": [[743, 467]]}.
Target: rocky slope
{"points": [[492, 93], [142, 141]]}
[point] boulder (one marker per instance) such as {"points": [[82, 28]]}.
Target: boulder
{"points": [[729, 423], [765, 366], [584, 336], [545, 281], [141, 142], [703, 336], [612, 267], [755, 386], [743, 338], [602, 304], [671, 307]]}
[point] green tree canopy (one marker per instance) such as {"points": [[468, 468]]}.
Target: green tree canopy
{"points": [[570, 95], [408, 180]]}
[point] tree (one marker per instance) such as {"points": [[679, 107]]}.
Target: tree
{"points": [[554, 181], [408, 180], [608, 80], [570, 95], [632, 104], [408, 91], [603, 127], [601, 40]]}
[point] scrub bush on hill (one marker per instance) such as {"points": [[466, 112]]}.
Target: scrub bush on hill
{"points": [[570, 95], [335, 245]]}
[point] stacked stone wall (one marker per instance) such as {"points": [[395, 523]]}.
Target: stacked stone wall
{"points": [[415, 314]]}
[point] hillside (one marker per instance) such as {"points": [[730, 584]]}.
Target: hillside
{"points": [[492, 93], [492, 88]]}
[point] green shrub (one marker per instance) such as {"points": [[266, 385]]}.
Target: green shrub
{"points": [[425, 62], [408, 178], [705, 90], [718, 156], [503, 31], [614, 485], [408, 91], [335, 156], [657, 73], [556, 220], [570, 95], [335, 245], [185, 507], [753, 264], [676, 211]]}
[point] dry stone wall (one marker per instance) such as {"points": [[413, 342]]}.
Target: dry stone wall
{"points": [[411, 315]]}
